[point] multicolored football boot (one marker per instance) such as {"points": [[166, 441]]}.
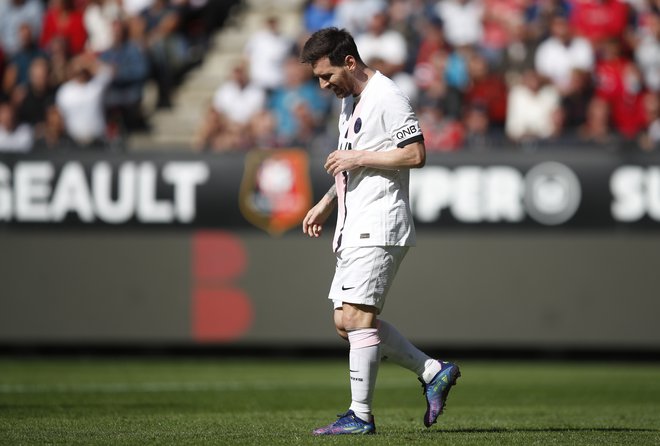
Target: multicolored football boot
{"points": [[348, 423], [437, 390]]}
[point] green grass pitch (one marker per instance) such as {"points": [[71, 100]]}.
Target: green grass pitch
{"points": [[184, 401]]}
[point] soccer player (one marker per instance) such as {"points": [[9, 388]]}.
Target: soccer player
{"points": [[379, 141]]}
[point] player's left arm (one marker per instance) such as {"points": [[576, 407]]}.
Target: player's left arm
{"points": [[410, 156]]}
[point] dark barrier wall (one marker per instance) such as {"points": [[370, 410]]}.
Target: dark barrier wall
{"points": [[545, 250]]}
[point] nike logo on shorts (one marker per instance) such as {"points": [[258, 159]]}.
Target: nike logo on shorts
{"points": [[345, 288]]}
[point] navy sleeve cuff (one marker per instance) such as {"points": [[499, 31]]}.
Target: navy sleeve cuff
{"points": [[416, 138]]}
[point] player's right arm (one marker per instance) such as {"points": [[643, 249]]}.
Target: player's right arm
{"points": [[316, 216]]}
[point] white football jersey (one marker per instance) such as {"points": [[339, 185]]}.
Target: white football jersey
{"points": [[373, 204]]}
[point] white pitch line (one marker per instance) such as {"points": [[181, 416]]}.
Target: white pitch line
{"points": [[154, 387]]}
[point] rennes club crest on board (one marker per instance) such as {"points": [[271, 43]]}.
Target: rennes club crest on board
{"points": [[276, 190]]}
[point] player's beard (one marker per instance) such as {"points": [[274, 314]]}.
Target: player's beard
{"points": [[341, 93]]}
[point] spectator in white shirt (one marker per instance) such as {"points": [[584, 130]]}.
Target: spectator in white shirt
{"points": [[532, 109], [354, 15], [238, 106], [562, 53], [647, 54], [134, 8], [13, 14], [462, 21], [379, 42], [266, 51], [80, 101], [237, 98], [98, 18], [14, 137]]}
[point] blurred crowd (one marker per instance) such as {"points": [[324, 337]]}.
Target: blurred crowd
{"points": [[73, 72], [482, 74]]}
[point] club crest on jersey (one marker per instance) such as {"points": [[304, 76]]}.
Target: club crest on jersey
{"points": [[276, 190], [358, 125]]}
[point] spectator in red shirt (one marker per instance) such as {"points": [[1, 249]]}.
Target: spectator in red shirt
{"points": [[432, 41], [500, 19], [487, 88], [600, 20], [628, 112], [619, 83], [442, 133], [609, 69], [64, 20]]}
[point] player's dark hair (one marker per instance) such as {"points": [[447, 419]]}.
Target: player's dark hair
{"points": [[334, 43]]}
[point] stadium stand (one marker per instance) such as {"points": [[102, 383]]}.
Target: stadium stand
{"points": [[176, 127], [470, 66], [148, 47]]}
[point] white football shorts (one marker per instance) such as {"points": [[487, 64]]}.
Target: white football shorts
{"points": [[364, 274]]}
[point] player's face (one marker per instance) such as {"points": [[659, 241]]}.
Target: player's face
{"points": [[337, 79]]}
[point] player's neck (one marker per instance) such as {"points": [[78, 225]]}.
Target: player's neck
{"points": [[362, 76]]}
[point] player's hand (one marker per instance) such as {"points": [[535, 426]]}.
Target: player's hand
{"points": [[311, 226], [315, 218], [341, 161]]}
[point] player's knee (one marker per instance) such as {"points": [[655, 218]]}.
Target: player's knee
{"points": [[358, 316], [349, 320]]}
